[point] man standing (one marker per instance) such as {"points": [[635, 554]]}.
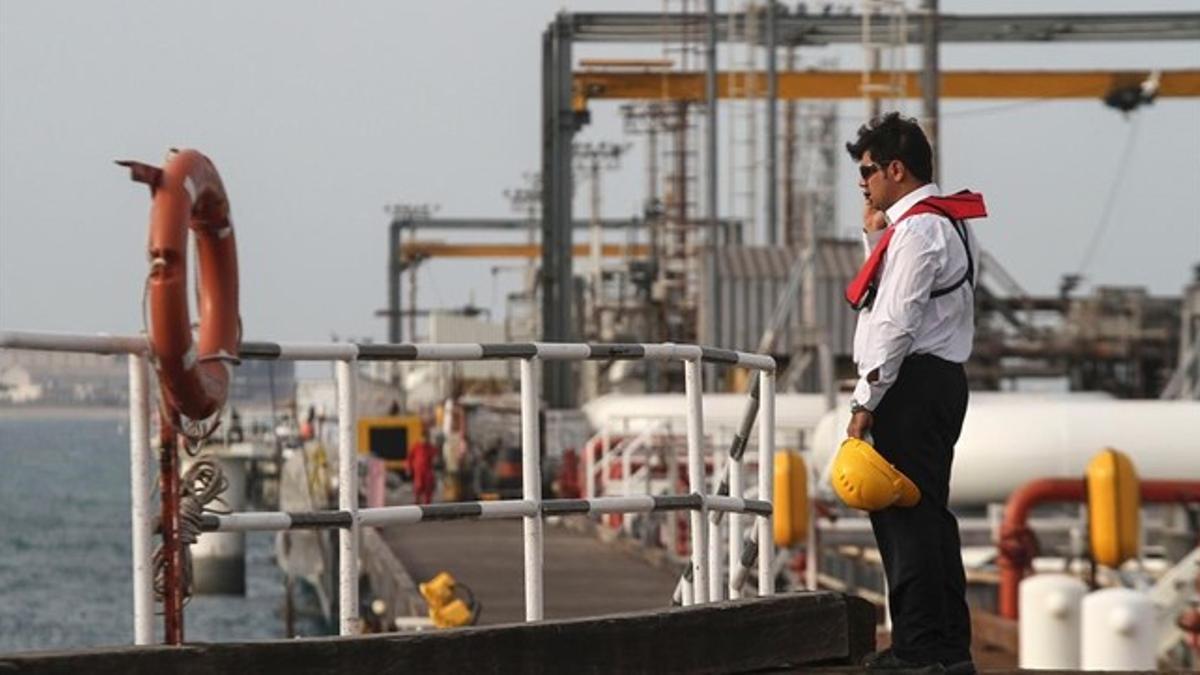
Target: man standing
{"points": [[915, 326], [420, 467]]}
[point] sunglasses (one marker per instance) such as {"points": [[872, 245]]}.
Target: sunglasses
{"points": [[868, 170]]}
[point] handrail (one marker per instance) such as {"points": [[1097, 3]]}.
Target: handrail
{"points": [[531, 508]]}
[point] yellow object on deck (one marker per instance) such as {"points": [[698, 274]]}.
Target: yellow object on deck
{"points": [[863, 479], [791, 498], [1114, 508], [446, 609]]}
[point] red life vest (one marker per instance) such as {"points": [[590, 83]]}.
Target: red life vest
{"points": [[957, 207]]}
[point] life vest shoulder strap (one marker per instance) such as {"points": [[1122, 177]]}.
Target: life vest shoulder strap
{"points": [[958, 207]]}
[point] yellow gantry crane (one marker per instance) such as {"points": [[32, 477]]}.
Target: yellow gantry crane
{"points": [[648, 81]]}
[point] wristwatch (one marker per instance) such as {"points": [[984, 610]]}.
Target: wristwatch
{"points": [[856, 407]]}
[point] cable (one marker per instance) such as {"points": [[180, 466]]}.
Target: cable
{"points": [[202, 484], [1110, 198]]}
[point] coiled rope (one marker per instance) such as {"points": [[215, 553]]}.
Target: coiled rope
{"points": [[202, 484]]}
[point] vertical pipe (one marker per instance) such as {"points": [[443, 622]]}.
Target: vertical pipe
{"points": [[791, 231], [930, 85], [559, 125], [627, 481], [735, 525], [766, 460], [605, 460], [531, 485], [672, 483], [812, 547], [393, 281], [695, 437], [712, 301], [168, 471], [347, 499], [412, 287], [589, 463], [140, 475], [772, 133], [597, 271], [715, 587]]}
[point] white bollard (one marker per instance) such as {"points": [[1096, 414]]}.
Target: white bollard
{"points": [[1050, 620], [1118, 631]]}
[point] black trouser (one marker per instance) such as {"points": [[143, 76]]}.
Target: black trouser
{"points": [[915, 428]]}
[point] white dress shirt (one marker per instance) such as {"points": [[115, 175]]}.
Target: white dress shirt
{"points": [[925, 254]]}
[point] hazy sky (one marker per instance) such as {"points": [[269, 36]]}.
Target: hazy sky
{"points": [[317, 114]]}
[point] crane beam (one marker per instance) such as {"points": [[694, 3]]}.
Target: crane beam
{"points": [[838, 84], [419, 250]]}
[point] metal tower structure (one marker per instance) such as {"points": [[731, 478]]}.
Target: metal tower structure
{"points": [[884, 40], [564, 108]]}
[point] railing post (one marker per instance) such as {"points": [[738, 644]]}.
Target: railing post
{"points": [[812, 548], [695, 438], [605, 459], [735, 525], [140, 479], [715, 587], [627, 480], [766, 462], [347, 497], [589, 462], [532, 491], [673, 485]]}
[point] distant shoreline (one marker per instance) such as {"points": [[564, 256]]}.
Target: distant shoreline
{"points": [[59, 412]]}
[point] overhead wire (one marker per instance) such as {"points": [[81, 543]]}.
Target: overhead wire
{"points": [[1110, 197]]}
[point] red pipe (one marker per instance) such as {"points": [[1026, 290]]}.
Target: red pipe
{"points": [[1018, 545], [172, 548]]}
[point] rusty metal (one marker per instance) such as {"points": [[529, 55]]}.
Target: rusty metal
{"points": [[173, 590]]}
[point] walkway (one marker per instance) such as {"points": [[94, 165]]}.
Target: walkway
{"points": [[583, 575]]}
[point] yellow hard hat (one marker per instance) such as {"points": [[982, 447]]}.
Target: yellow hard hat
{"points": [[865, 480]]}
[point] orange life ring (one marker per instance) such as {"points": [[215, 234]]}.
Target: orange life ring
{"points": [[188, 194]]}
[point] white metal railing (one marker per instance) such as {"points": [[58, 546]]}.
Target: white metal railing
{"points": [[531, 508]]}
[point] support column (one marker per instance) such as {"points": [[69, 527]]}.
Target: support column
{"points": [[711, 310], [559, 124], [930, 85], [531, 486], [766, 462], [772, 132], [168, 474], [141, 474], [347, 498], [695, 442]]}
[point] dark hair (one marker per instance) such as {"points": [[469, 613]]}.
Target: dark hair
{"points": [[892, 137]]}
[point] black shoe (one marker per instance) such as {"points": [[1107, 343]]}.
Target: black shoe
{"points": [[966, 667], [871, 658], [887, 660]]}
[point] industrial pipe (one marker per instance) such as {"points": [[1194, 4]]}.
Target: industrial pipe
{"points": [[1018, 544]]}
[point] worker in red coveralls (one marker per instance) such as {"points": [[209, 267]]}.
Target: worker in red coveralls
{"points": [[420, 467]]}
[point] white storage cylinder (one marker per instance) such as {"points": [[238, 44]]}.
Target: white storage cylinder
{"points": [[1118, 631], [1051, 606], [1010, 439]]}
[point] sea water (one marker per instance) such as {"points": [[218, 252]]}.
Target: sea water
{"points": [[65, 566]]}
